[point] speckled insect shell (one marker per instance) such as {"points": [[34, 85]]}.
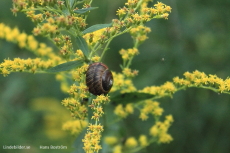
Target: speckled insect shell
{"points": [[99, 79]]}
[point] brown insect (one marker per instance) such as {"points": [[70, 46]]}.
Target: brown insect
{"points": [[99, 79]]}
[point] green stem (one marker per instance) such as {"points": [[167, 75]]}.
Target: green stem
{"points": [[152, 140], [87, 13], [105, 49], [78, 2], [128, 14], [44, 9], [95, 48], [129, 62], [127, 65], [138, 4], [110, 39]]}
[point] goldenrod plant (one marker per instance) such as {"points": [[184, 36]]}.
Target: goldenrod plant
{"points": [[64, 22]]}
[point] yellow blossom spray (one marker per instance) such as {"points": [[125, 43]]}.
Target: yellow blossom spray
{"points": [[100, 118]]}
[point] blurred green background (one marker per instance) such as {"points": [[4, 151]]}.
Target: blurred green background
{"points": [[195, 37]]}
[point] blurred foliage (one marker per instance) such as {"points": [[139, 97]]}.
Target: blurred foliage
{"points": [[196, 36]]}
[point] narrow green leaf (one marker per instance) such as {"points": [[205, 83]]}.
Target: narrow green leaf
{"points": [[131, 97], [96, 27], [65, 10], [71, 2], [84, 10], [81, 43], [65, 66]]}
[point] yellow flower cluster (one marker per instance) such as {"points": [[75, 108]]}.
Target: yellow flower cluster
{"points": [[117, 149], [159, 10], [92, 138], [97, 108], [195, 79], [202, 80], [64, 43], [143, 140], [129, 53], [75, 127], [51, 20], [140, 33], [122, 83], [129, 73], [25, 4], [95, 58], [97, 38], [123, 112], [78, 90], [131, 143], [27, 41], [127, 56], [79, 55], [24, 65], [93, 37], [166, 89], [79, 74], [150, 107], [78, 93], [76, 107], [111, 140], [160, 130]]}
